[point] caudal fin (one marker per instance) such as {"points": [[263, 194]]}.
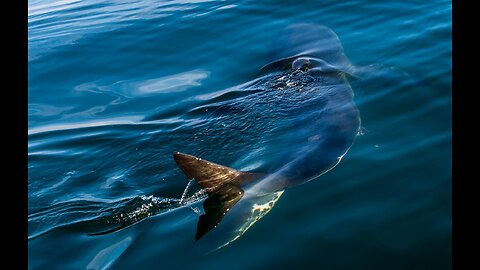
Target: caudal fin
{"points": [[216, 207], [221, 183], [209, 175]]}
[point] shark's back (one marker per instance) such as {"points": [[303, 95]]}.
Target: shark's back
{"points": [[306, 93]]}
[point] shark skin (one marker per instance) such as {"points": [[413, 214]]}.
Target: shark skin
{"points": [[310, 70]]}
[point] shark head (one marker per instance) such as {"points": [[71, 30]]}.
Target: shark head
{"points": [[305, 46]]}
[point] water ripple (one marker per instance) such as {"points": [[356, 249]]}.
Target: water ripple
{"points": [[116, 87]]}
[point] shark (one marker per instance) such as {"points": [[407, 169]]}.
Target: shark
{"points": [[240, 149], [308, 76]]}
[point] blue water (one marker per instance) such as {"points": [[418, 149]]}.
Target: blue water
{"points": [[114, 90]]}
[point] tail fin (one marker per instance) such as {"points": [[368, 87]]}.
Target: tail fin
{"points": [[216, 206], [208, 175], [221, 183]]}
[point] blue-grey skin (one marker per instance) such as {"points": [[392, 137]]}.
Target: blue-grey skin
{"points": [[328, 119], [307, 84], [293, 122]]}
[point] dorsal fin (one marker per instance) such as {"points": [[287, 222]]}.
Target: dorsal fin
{"points": [[209, 175]]}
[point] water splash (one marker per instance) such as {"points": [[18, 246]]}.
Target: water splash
{"points": [[190, 183], [140, 208]]}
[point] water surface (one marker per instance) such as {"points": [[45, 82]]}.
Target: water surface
{"points": [[113, 87]]}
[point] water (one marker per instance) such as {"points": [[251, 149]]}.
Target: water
{"points": [[114, 91]]}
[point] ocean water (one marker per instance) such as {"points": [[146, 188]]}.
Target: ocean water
{"points": [[116, 87]]}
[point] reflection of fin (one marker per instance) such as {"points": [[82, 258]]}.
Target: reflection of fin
{"points": [[221, 183], [216, 206]]}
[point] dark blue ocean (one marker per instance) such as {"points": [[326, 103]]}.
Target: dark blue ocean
{"points": [[116, 87]]}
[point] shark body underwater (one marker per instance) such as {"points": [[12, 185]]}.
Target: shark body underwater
{"points": [[288, 125], [307, 82]]}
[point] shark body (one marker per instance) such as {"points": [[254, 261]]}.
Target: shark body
{"points": [[308, 79]]}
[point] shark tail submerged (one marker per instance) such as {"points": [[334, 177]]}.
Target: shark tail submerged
{"points": [[221, 183]]}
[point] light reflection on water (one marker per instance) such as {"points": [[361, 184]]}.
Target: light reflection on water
{"points": [[116, 87]]}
